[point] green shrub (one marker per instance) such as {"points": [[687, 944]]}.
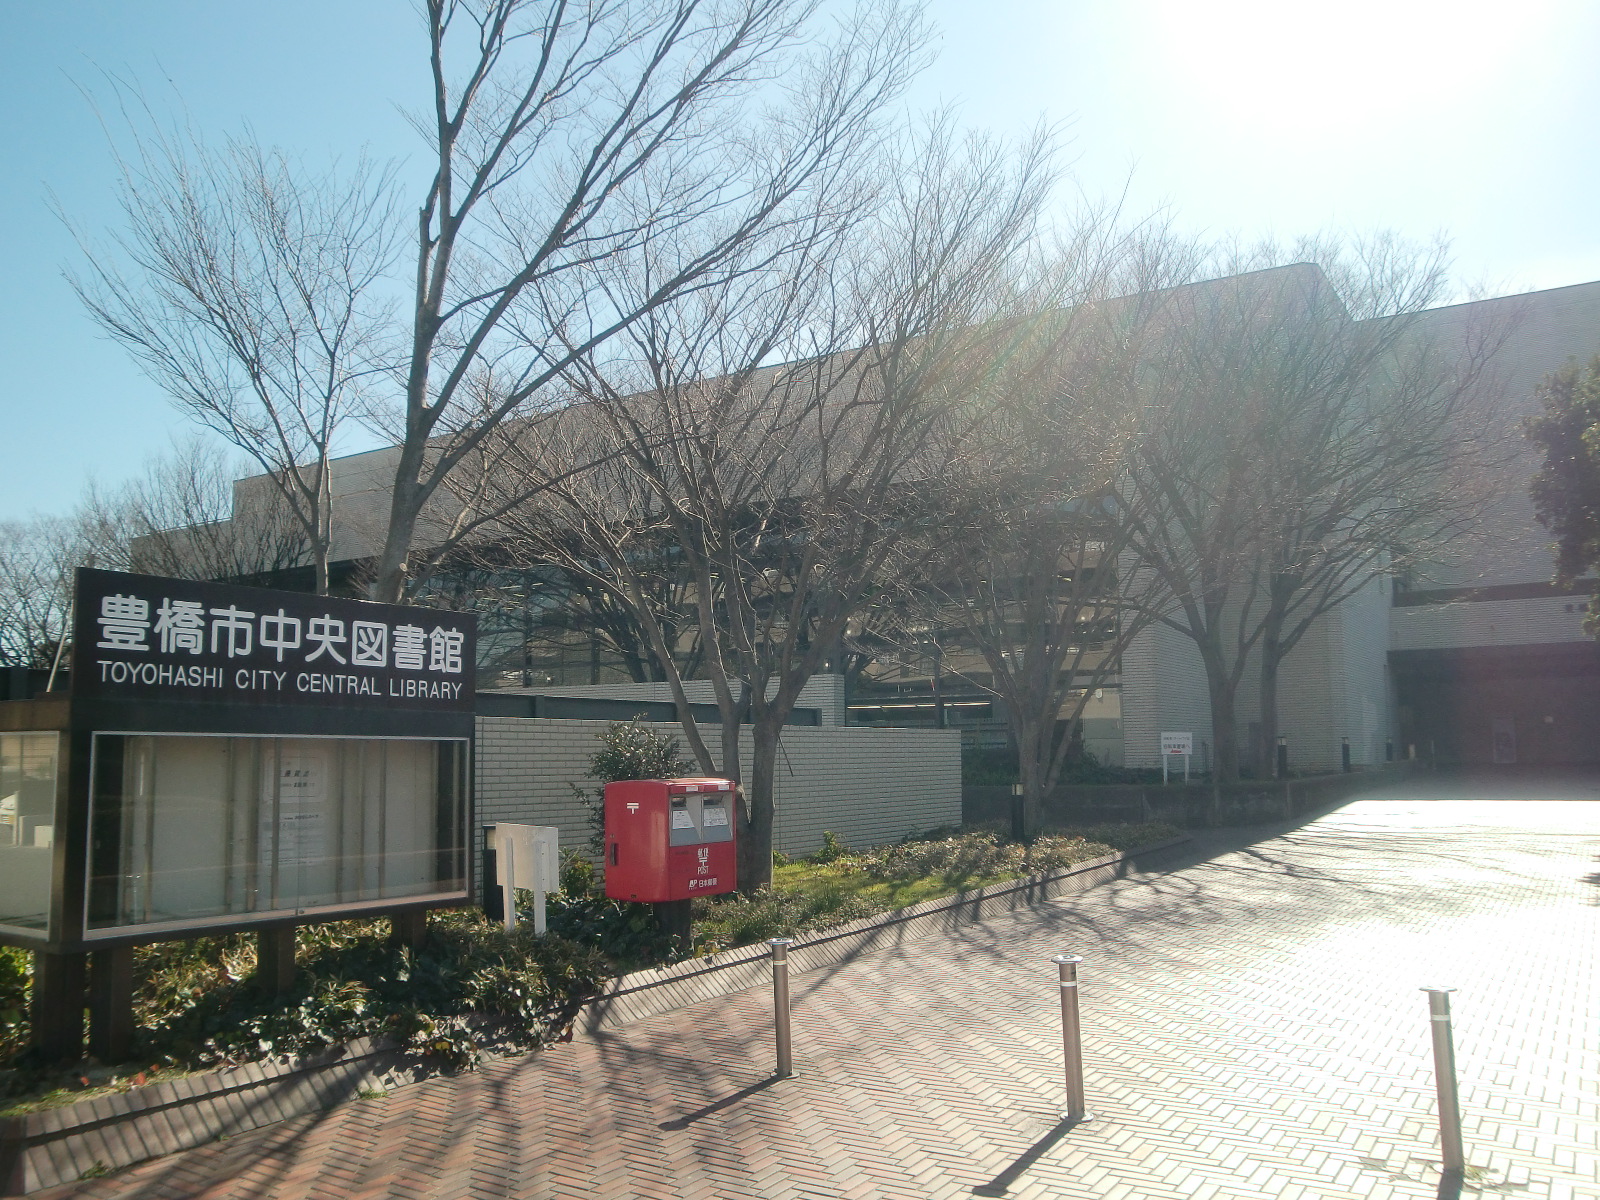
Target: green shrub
{"points": [[964, 856], [988, 766], [997, 767], [985, 854], [628, 750], [637, 750], [16, 972], [832, 848], [197, 1003], [625, 934]]}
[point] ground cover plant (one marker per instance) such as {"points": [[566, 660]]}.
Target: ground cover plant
{"points": [[837, 885], [197, 1004]]}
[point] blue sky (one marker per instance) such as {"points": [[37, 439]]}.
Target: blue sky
{"points": [[1472, 120]]}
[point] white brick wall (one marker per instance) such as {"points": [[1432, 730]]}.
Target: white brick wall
{"points": [[1163, 690], [868, 786]]}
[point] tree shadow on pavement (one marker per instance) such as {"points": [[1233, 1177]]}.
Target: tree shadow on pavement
{"points": [[1001, 1183], [716, 1106]]}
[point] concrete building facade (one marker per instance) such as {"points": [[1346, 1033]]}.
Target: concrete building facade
{"points": [[1475, 658]]}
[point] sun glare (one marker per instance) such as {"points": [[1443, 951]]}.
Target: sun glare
{"points": [[1308, 69]]}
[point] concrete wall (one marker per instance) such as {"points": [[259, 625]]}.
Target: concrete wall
{"points": [[868, 786], [1534, 621], [1334, 685], [1541, 331]]}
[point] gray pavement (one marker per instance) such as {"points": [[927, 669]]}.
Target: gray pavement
{"points": [[1253, 1028]]}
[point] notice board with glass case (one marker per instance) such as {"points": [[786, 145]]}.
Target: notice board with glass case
{"points": [[229, 757]]}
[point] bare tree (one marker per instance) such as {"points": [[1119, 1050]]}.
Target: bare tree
{"points": [[247, 287], [176, 519], [1312, 437], [793, 493], [571, 138], [35, 592], [563, 139], [184, 518], [1032, 598]]}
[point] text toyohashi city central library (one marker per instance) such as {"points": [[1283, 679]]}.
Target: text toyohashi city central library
{"points": [[228, 758]]}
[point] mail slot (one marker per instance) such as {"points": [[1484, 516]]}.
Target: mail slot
{"points": [[669, 839]]}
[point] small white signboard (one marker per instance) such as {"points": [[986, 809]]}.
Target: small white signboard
{"points": [[526, 857], [1176, 743]]}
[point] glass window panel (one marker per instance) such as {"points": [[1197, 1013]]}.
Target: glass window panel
{"points": [[196, 829], [27, 827]]}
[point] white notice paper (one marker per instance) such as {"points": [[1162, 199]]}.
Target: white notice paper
{"points": [[714, 814], [302, 827], [680, 819]]}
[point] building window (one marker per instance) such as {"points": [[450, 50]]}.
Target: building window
{"points": [[27, 827]]}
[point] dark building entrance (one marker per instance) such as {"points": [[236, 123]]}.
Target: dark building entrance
{"points": [[1533, 705]]}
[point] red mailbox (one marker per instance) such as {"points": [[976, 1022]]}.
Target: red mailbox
{"points": [[669, 839]]}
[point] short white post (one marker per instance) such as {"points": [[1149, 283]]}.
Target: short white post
{"points": [[507, 860], [541, 885]]}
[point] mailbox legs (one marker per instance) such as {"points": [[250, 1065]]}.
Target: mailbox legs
{"points": [[676, 920]]}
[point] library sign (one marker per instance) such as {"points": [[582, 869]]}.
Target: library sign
{"points": [[139, 637]]}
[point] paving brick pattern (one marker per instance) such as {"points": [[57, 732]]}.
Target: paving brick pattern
{"points": [[1252, 1023]]}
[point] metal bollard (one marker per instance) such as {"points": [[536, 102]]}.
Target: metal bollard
{"points": [[780, 1003], [1071, 1036], [1454, 1161]]}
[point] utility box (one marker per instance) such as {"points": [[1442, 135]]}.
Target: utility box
{"points": [[669, 839]]}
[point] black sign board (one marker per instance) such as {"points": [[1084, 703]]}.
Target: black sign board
{"points": [[141, 637]]}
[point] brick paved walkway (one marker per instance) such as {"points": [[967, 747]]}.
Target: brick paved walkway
{"points": [[1253, 1029]]}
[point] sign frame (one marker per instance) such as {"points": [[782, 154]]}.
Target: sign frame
{"points": [[1172, 745]]}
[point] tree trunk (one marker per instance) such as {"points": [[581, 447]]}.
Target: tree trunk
{"points": [[755, 837], [1270, 656], [730, 767], [1032, 766], [1224, 728], [322, 544], [389, 581]]}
